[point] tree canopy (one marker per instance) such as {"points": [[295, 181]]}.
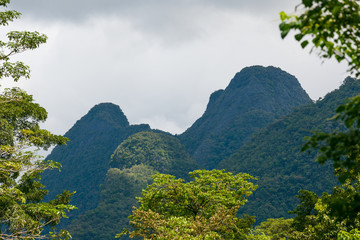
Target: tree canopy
{"points": [[204, 208]]}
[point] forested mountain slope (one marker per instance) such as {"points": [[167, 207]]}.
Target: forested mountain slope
{"points": [[85, 159], [262, 117], [255, 97], [132, 165], [273, 155]]}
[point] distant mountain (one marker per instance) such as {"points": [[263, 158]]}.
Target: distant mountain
{"points": [[85, 159], [255, 97], [256, 125], [273, 155], [133, 163]]}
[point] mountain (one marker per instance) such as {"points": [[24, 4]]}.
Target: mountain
{"points": [[160, 151], [274, 156], [255, 97], [256, 125], [132, 165], [85, 159]]}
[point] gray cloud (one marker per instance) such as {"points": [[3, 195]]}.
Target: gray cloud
{"points": [[159, 60], [81, 9], [174, 20]]}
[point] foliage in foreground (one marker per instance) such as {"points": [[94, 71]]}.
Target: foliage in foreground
{"points": [[273, 156], [204, 208], [328, 216], [332, 26], [23, 215]]}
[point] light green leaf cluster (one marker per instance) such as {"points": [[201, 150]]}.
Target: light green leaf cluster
{"points": [[352, 235], [204, 208], [257, 235], [275, 229]]}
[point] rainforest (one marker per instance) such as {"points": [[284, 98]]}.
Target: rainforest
{"points": [[263, 161]]}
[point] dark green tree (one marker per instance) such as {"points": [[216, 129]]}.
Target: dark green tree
{"points": [[304, 209], [342, 148]]}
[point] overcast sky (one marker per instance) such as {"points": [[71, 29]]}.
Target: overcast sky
{"points": [[159, 60]]}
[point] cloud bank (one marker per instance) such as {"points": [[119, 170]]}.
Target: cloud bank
{"points": [[159, 60]]}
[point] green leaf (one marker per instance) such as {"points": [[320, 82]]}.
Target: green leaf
{"points": [[299, 36], [307, 3], [284, 33], [283, 16], [304, 43]]}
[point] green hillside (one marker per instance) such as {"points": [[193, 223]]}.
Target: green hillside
{"points": [[161, 151], [85, 159], [274, 157], [256, 125], [255, 97], [133, 162]]}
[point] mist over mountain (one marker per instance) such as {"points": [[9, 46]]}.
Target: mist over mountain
{"points": [[255, 97]]}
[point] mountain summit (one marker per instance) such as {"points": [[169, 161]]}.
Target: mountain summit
{"points": [[85, 159], [274, 156], [106, 189], [255, 97], [106, 113]]}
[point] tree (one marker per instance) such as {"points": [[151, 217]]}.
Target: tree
{"points": [[332, 26], [342, 147], [304, 209], [276, 228], [204, 208], [352, 235], [23, 214], [327, 216]]}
